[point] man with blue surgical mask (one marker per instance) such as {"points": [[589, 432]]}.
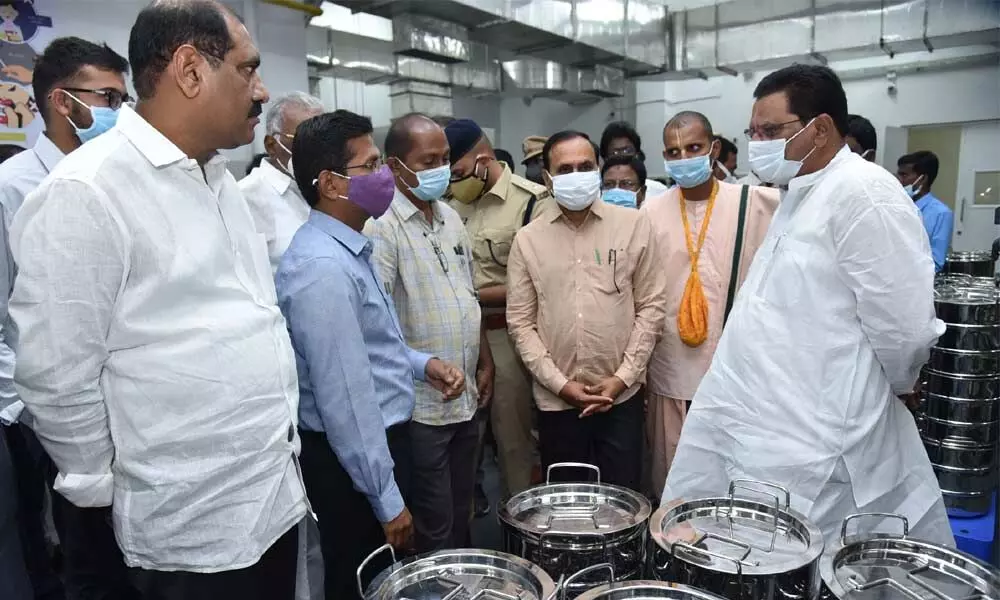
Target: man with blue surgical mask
{"points": [[423, 256], [78, 87], [623, 181], [708, 232], [834, 320], [585, 306], [917, 172]]}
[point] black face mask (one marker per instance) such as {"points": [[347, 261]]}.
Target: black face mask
{"points": [[533, 172]]}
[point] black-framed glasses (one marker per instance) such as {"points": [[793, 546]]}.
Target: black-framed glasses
{"points": [[768, 131], [115, 98], [626, 184]]}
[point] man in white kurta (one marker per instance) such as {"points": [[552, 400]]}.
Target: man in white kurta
{"points": [[833, 322]]}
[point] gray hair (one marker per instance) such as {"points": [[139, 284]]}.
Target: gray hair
{"points": [[276, 113]]}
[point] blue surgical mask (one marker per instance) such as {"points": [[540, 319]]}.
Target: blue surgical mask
{"points": [[689, 172], [620, 197], [102, 120], [913, 190], [432, 183]]}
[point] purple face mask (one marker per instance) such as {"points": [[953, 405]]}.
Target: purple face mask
{"points": [[373, 192]]}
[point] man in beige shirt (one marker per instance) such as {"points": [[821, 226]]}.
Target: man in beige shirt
{"points": [[585, 306], [708, 223]]}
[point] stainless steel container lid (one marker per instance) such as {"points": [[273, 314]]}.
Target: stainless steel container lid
{"points": [[885, 565], [647, 590], [966, 293], [473, 574], [738, 535], [575, 508], [977, 256]]}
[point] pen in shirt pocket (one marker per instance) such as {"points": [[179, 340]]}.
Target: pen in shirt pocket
{"points": [[597, 255]]}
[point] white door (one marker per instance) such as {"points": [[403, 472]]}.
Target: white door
{"points": [[893, 146], [974, 212]]}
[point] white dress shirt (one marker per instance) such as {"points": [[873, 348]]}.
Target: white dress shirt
{"points": [[20, 175], [835, 318], [277, 207], [152, 354]]}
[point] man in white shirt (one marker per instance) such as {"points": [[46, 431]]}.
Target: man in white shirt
{"points": [[277, 206], [152, 354], [78, 87], [833, 322]]}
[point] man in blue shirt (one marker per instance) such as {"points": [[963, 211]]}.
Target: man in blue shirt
{"points": [[356, 393], [917, 173]]}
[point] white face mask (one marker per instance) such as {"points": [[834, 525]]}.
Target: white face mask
{"points": [[730, 178], [767, 159], [288, 165], [576, 191]]}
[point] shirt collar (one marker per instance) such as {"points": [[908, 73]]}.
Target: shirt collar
{"points": [[350, 239], [501, 187], [153, 145], [843, 156], [274, 176], [47, 152], [598, 208], [927, 198], [405, 210]]}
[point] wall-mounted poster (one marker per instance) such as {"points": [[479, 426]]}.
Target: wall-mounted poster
{"points": [[24, 33]]}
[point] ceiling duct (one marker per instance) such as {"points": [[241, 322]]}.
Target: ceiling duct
{"points": [[765, 34], [430, 39], [627, 34], [538, 78], [416, 96]]}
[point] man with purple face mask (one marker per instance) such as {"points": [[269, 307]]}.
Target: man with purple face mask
{"points": [[355, 371]]}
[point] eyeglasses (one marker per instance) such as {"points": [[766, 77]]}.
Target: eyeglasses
{"points": [[622, 152], [370, 166], [438, 251], [625, 184], [115, 98], [768, 131]]}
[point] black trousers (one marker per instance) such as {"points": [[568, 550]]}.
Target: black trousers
{"points": [[93, 567], [612, 441], [348, 528], [444, 467], [271, 578]]}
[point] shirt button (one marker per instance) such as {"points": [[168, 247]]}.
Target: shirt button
{"points": [[578, 261], [579, 315]]}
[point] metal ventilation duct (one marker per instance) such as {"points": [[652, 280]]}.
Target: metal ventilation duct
{"points": [[546, 79], [430, 39], [764, 34], [627, 34]]}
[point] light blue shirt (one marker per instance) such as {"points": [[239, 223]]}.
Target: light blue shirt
{"points": [[938, 221], [355, 371]]}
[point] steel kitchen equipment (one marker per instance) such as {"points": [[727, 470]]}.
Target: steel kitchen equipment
{"points": [[565, 527], [883, 565], [976, 264], [647, 590], [738, 547], [959, 416], [457, 575]]}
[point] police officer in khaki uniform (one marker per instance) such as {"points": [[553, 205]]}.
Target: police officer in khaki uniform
{"points": [[494, 203], [532, 149]]}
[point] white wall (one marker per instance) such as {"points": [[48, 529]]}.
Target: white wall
{"points": [[922, 99], [278, 32]]}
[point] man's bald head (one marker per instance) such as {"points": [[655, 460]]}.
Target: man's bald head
{"points": [[689, 117], [399, 139]]}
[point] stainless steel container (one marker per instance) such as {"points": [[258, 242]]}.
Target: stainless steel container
{"points": [[967, 304], [980, 338], [565, 527], [965, 362], [961, 386], [976, 264], [980, 434], [960, 454], [737, 547], [967, 504], [965, 480], [961, 410], [455, 575], [893, 566], [647, 590]]}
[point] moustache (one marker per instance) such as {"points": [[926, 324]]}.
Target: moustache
{"points": [[256, 109]]}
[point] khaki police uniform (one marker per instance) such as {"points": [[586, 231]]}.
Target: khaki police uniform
{"points": [[492, 221]]}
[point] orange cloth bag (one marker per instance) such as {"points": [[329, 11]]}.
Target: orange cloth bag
{"points": [[692, 316]]}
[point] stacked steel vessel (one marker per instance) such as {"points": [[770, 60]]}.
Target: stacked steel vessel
{"points": [[959, 419]]}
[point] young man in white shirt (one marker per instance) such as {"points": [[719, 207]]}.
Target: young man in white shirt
{"points": [[79, 87], [276, 204], [152, 353]]}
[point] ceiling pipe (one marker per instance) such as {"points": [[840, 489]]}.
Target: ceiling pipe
{"points": [[309, 9]]}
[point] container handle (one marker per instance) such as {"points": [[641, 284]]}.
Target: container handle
{"points": [[558, 588], [843, 528], [364, 563], [572, 465], [587, 571], [748, 485], [489, 595], [708, 553]]}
